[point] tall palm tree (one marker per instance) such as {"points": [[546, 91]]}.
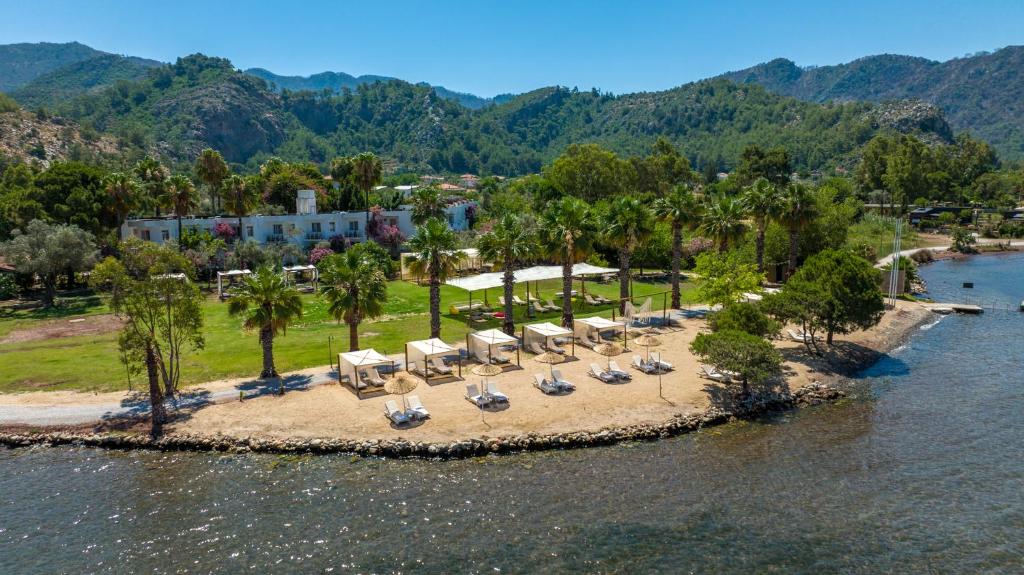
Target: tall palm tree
{"points": [[797, 211], [366, 172], [722, 221], [153, 176], [123, 191], [427, 203], [269, 304], [762, 201], [211, 169], [239, 198], [180, 197], [437, 256], [629, 223], [509, 242], [567, 231], [355, 289], [680, 209]]}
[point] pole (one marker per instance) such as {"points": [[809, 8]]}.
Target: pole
{"points": [[330, 351]]}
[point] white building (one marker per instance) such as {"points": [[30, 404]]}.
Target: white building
{"points": [[305, 228]]}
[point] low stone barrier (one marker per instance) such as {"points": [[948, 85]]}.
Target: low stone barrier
{"points": [[812, 394]]}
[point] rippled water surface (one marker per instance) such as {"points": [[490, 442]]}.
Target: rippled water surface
{"points": [[922, 472]]}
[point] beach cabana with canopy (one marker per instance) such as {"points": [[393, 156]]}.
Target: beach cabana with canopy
{"points": [[544, 332], [231, 276], [481, 344], [350, 363], [296, 274], [583, 327], [490, 280], [423, 351]]}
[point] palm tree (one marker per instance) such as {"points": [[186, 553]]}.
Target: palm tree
{"points": [[509, 242], [180, 197], [628, 224], [679, 208], [211, 170], [762, 201], [567, 231], [355, 289], [153, 176], [722, 221], [123, 191], [437, 256], [427, 203], [366, 172], [796, 212], [269, 305], [239, 199]]}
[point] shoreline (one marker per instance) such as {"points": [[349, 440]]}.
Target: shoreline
{"points": [[830, 371]]}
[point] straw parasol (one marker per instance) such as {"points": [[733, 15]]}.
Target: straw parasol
{"points": [[487, 370], [647, 340], [401, 384], [550, 358], [608, 349]]}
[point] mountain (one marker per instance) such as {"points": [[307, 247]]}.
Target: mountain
{"points": [[22, 63], [982, 94], [61, 84], [338, 81], [27, 137]]}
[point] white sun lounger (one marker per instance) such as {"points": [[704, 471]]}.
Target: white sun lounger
{"points": [[614, 368], [800, 336], [516, 300], [544, 385], [656, 360], [394, 414], [561, 381], [536, 348], [372, 377], [643, 366], [416, 408], [499, 358], [713, 374], [473, 395], [590, 300], [495, 394], [596, 371], [440, 366], [415, 369]]}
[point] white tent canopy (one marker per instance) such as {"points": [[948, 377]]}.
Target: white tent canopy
{"points": [[536, 273], [229, 274], [586, 269], [583, 326], [350, 362], [544, 331], [480, 343]]}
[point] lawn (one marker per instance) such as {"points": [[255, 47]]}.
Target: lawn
{"points": [[92, 362]]}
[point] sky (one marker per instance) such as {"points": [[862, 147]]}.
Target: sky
{"points": [[492, 47]]}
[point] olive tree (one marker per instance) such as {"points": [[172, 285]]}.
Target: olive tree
{"points": [[49, 250]]}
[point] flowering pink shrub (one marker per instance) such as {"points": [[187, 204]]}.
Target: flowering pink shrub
{"points": [[224, 230], [317, 254]]}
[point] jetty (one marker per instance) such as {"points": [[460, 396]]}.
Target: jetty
{"points": [[947, 308]]}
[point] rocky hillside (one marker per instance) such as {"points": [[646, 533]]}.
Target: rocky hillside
{"points": [[28, 138], [982, 94]]}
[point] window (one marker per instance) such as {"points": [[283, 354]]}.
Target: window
{"points": [[451, 219], [330, 226], [145, 235], [165, 235], [278, 229], [353, 226], [248, 231], [316, 227]]}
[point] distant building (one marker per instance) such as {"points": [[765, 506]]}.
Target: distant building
{"points": [[431, 179], [446, 187], [469, 180], [305, 228], [932, 213]]}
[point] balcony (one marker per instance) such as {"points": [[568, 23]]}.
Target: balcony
{"points": [[314, 236], [275, 238], [353, 234]]}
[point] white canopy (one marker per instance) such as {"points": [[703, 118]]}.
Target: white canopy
{"points": [[536, 273], [480, 342], [544, 331], [350, 361], [600, 323], [477, 282], [296, 269], [228, 274], [586, 269], [428, 348]]}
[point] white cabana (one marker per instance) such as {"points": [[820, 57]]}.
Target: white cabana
{"points": [[544, 333], [482, 344], [231, 276], [293, 274], [471, 260], [350, 363], [491, 280], [583, 328], [424, 351], [585, 269]]}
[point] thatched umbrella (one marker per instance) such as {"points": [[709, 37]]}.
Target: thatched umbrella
{"points": [[401, 384], [550, 358], [609, 350], [485, 370], [647, 340]]}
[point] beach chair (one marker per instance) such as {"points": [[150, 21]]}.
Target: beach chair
{"points": [[596, 371], [713, 374], [501, 300], [662, 364], [537, 307], [397, 416], [601, 299], [366, 379], [416, 408], [473, 394], [544, 385], [613, 367], [590, 300], [415, 369], [551, 305], [499, 359], [536, 348], [375, 377], [552, 347], [495, 394], [643, 366], [585, 342], [799, 335], [561, 381], [438, 365], [517, 301]]}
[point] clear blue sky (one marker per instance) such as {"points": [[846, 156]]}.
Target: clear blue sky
{"points": [[489, 47]]}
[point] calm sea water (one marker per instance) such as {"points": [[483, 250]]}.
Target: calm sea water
{"points": [[923, 472]]}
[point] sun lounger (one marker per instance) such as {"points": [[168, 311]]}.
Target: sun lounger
{"points": [[371, 377], [495, 394], [643, 366], [438, 365], [713, 374], [415, 369], [501, 300], [473, 395], [586, 342], [590, 300], [656, 360], [799, 335], [517, 301], [536, 348], [596, 371], [499, 359], [544, 385], [416, 408], [616, 371], [601, 299], [561, 381], [538, 307], [396, 415], [552, 306], [555, 348]]}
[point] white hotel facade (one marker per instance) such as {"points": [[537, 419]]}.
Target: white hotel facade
{"points": [[304, 228]]}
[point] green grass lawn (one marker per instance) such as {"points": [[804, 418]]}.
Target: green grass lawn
{"points": [[92, 363]]}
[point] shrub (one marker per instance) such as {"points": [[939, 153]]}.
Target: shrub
{"points": [[8, 287], [745, 317]]}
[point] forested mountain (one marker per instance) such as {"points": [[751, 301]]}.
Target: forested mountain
{"points": [[57, 86], [22, 63], [982, 94], [339, 81]]}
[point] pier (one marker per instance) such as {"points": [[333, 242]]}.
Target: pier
{"points": [[947, 308]]}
